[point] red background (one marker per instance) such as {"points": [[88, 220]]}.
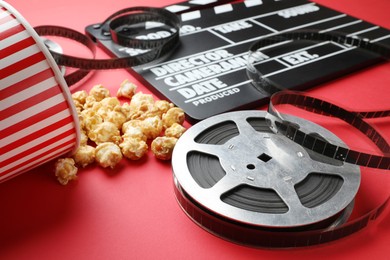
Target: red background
{"points": [[131, 212]]}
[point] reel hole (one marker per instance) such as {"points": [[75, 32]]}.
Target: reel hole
{"points": [[250, 167], [264, 157]]}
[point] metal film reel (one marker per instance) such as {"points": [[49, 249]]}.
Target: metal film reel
{"points": [[238, 179], [53, 46]]}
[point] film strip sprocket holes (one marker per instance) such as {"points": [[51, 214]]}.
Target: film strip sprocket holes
{"points": [[206, 74], [355, 119]]}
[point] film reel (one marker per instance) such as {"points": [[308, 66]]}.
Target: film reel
{"points": [[237, 179]]}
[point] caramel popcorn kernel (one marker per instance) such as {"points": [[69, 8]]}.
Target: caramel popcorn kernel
{"points": [[108, 155], [162, 147], [65, 170], [84, 155]]}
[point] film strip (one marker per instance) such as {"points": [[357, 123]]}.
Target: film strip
{"points": [[356, 119], [122, 27]]}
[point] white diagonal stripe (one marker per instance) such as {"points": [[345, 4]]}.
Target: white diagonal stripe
{"points": [[14, 39], [32, 144], [18, 56], [8, 25], [202, 2], [23, 74], [35, 127], [28, 92], [190, 15], [177, 8], [41, 160], [4, 13], [37, 153], [223, 9], [250, 3], [27, 113]]}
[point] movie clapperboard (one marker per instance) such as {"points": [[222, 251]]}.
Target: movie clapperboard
{"points": [[206, 75]]}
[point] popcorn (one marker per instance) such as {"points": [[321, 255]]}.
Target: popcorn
{"points": [[125, 109], [135, 123], [99, 92], [89, 102], [151, 127], [78, 105], [141, 105], [65, 170], [89, 119], [173, 115], [141, 99], [134, 132], [110, 130], [108, 155], [116, 117], [175, 130], [83, 138], [105, 132], [126, 89], [84, 155], [163, 106], [110, 103], [80, 96], [162, 147], [133, 148]]}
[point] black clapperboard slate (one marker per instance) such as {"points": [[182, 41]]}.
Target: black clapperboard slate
{"points": [[206, 74]]}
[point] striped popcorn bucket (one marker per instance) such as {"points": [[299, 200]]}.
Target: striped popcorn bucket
{"points": [[38, 120]]}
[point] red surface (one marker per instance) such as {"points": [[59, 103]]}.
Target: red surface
{"points": [[131, 212]]}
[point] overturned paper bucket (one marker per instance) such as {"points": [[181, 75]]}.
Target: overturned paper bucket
{"points": [[38, 120]]}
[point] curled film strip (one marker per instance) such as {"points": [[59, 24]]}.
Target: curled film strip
{"points": [[268, 179], [356, 119], [123, 26]]}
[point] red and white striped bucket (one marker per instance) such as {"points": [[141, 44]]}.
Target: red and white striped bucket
{"points": [[38, 120]]}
